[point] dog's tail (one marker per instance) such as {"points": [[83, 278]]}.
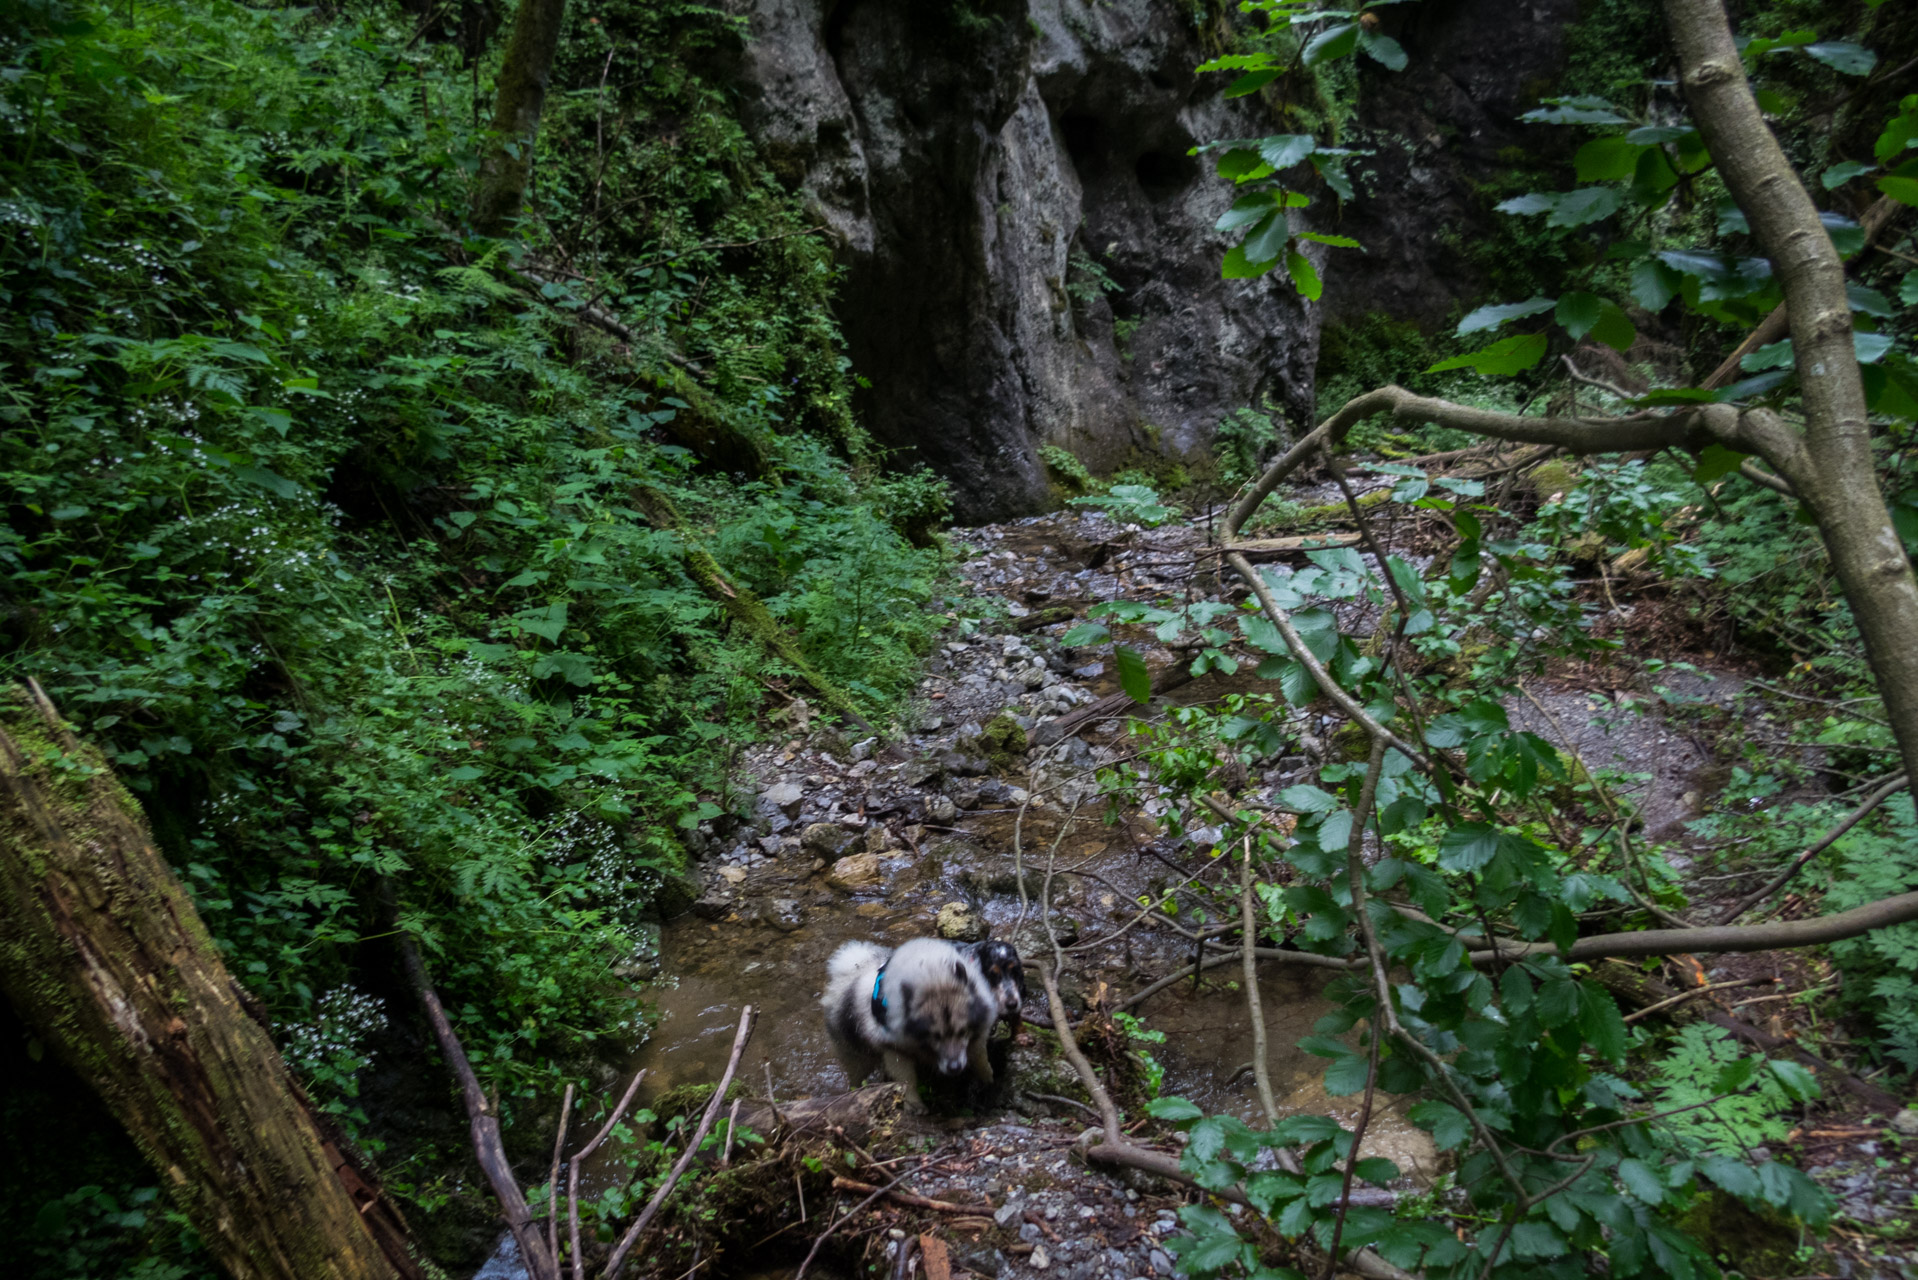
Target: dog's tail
{"points": [[851, 958]]}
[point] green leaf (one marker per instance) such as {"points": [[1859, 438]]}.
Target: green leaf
{"points": [[1211, 1252], [1735, 1176], [1502, 359], [1284, 150], [1537, 1240], [1468, 848], [1248, 210], [1303, 275], [1346, 1076], [1614, 328], [1305, 798], [1578, 312], [1868, 300], [1839, 174], [279, 421], [1337, 242], [1334, 42], [1239, 267], [270, 481], [1844, 57], [548, 623], [1446, 1123], [1557, 1001], [1084, 634], [1606, 159], [1383, 50], [1252, 82], [1376, 1170], [1653, 285], [1268, 240], [577, 668], [1798, 1082], [1491, 317], [1735, 1075], [1715, 460], [1173, 1110], [1134, 678], [1579, 110], [1641, 1180], [1903, 190], [1599, 1021], [1582, 206]]}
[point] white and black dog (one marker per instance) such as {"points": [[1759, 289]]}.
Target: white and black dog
{"points": [[927, 1003], [1006, 976]]}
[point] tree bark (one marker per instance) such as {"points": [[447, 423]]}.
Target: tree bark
{"points": [[1833, 473], [104, 957], [525, 71]]}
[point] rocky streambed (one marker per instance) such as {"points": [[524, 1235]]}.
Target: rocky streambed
{"points": [[948, 830]]}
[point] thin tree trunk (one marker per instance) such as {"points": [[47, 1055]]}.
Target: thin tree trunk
{"points": [[525, 71], [104, 957], [1833, 474]]}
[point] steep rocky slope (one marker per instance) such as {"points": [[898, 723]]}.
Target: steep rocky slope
{"points": [[1028, 248]]}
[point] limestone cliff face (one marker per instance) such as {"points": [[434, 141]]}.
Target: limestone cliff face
{"points": [[990, 168]]}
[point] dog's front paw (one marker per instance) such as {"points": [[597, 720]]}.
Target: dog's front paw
{"points": [[915, 1105]]}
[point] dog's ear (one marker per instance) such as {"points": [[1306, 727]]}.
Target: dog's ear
{"points": [[959, 970]]}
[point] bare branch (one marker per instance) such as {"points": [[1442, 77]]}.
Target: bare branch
{"points": [[1885, 792], [631, 1238]]}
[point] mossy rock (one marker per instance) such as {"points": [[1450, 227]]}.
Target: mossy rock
{"points": [[1748, 1241], [1552, 479], [1351, 742], [1003, 741]]}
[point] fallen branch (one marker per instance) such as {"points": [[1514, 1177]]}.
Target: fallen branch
{"points": [[484, 1124], [1890, 788], [579, 1158], [842, 1183], [1777, 936], [843, 1219], [631, 1238], [1685, 997]]}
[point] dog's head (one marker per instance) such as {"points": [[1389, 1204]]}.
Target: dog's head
{"points": [[1003, 970], [942, 1014]]}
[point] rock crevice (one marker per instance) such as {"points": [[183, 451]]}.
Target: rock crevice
{"points": [[1027, 245]]}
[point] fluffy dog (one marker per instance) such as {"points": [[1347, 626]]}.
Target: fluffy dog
{"points": [[925, 1004], [1006, 976]]}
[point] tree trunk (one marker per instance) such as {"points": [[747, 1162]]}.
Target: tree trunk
{"points": [[1833, 472], [104, 957], [524, 72]]}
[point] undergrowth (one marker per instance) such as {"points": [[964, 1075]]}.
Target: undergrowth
{"points": [[329, 522]]}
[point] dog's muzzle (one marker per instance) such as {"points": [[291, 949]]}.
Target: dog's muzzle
{"points": [[951, 1064]]}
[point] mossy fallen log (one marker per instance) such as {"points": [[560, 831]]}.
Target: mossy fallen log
{"points": [[105, 959]]}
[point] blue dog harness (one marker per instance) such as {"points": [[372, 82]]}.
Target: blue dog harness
{"points": [[878, 1000]]}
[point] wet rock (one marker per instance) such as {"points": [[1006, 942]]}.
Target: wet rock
{"points": [[941, 809], [1009, 1212], [966, 795], [714, 904], [784, 797], [857, 871], [828, 839], [783, 914], [1161, 1262], [1906, 1122], [732, 875], [862, 751], [921, 772], [878, 839], [960, 923], [963, 764], [678, 891], [1039, 1259]]}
